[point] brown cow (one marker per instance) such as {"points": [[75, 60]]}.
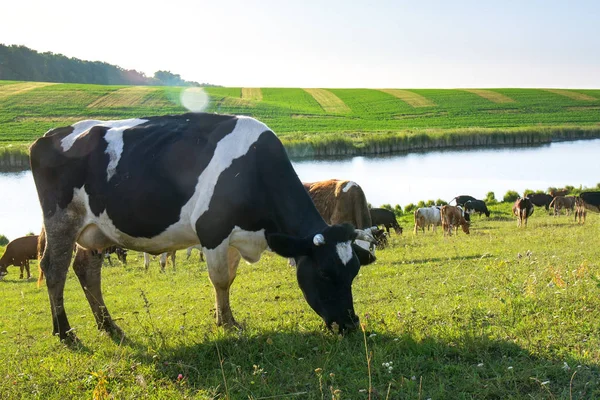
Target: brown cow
{"points": [[452, 217], [18, 253], [580, 210], [523, 208], [560, 202], [340, 201], [558, 192]]}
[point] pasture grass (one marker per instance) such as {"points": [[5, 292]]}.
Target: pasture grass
{"points": [[342, 120], [503, 313]]}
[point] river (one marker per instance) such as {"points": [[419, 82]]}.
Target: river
{"points": [[396, 179]]}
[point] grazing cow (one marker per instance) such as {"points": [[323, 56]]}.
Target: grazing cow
{"points": [[18, 253], [426, 217], [560, 202], [189, 251], [591, 200], [462, 199], [119, 251], [159, 184], [452, 217], [540, 200], [387, 218], [522, 209], [558, 192], [580, 211], [342, 201], [473, 206], [163, 260]]}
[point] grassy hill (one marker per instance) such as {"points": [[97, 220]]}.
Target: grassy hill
{"points": [[322, 117], [503, 313]]}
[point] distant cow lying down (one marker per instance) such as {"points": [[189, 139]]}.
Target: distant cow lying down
{"points": [[18, 253], [452, 217]]}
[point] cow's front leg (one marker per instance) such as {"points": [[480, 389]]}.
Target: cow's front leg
{"points": [[222, 267], [88, 268], [27, 269]]}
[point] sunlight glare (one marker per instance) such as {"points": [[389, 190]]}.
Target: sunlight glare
{"points": [[194, 99]]}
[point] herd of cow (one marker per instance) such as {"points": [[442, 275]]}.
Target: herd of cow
{"points": [[220, 183]]}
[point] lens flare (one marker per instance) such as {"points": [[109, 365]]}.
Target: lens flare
{"points": [[194, 99]]}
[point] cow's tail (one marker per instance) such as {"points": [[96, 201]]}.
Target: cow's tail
{"points": [[41, 248], [552, 203]]}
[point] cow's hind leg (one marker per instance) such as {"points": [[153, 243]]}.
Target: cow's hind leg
{"points": [[27, 269], [88, 268], [222, 267], [60, 238]]}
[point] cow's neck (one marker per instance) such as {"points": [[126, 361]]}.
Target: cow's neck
{"points": [[293, 209]]}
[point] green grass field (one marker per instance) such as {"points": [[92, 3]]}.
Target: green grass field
{"points": [[329, 116], [503, 313]]}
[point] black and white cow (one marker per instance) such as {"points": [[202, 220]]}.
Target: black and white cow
{"points": [[476, 206], [165, 183], [462, 199]]}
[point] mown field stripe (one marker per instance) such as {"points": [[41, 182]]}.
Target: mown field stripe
{"points": [[572, 95], [254, 94], [129, 96], [18, 88], [490, 95], [328, 101], [410, 98]]}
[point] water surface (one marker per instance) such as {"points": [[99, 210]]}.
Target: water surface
{"points": [[399, 179]]}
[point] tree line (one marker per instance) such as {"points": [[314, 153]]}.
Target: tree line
{"points": [[20, 63]]}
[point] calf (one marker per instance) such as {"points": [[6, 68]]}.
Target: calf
{"points": [[119, 251], [452, 217], [560, 202], [381, 216], [18, 253], [163, 260], [580, 211], [522, 209], [473, 206], [427, 216]]}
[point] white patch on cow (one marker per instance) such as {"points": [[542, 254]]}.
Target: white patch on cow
{"points": [[348, 186], [250, 244], [114, 139], [344, 251], [233, 146], [81, 127]]}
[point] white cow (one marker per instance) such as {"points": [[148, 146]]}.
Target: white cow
{"points": [[426, 216]]}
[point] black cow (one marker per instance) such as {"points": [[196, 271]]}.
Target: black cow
{"points": [[119, 251], [540, 199], [165, 183], [381, 216], [591, 200], [478, 206], [462, 199]]}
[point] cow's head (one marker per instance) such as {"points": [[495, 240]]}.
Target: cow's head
{"points": [[327, 263], [465, 225]]}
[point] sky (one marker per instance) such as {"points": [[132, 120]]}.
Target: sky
{"points": [[325, 44]]}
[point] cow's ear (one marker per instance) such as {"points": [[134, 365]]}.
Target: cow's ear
{"points": [[365, 257], [288, 246]]}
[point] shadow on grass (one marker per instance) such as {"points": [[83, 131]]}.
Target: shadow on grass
{"points": [[306, 365]]}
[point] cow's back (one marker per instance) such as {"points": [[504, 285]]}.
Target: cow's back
{"points": [[340, 201]]}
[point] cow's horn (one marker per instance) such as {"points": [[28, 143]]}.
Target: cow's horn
{"points": [[365, 235], [319, 240]]}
